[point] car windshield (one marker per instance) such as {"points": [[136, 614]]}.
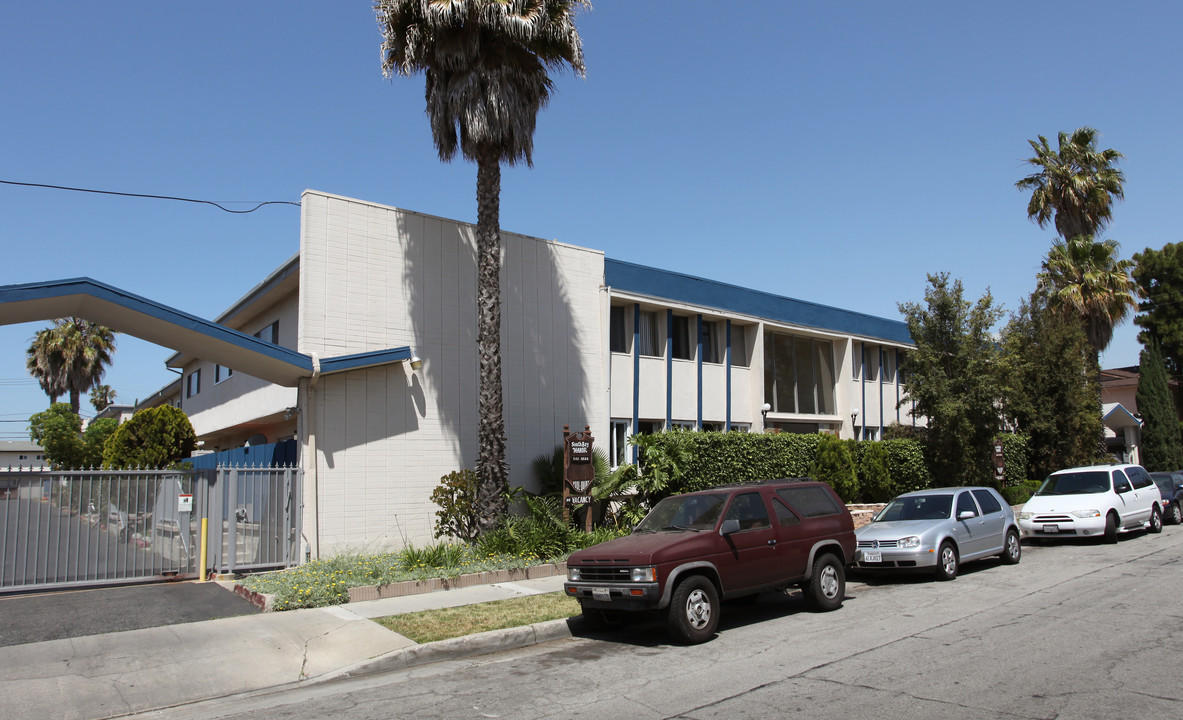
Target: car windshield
{"points": [[1163, 481], [917, 507], [1075, 483], [684, 512]]}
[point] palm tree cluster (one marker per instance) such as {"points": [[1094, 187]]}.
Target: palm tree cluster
{"points": [[1082, 278], [70, 357], [486, 66]]}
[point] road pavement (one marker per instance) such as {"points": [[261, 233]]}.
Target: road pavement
{"points": [[1076, 630]]}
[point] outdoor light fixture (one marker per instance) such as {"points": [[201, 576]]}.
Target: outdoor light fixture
{"points": [[416, 363], [764, 409], [854, 416]]}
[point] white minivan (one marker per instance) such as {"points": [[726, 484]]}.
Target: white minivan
{"points": [[1101, 500]]}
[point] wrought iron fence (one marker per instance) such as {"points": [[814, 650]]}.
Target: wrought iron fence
{"points": [[96, 527]]}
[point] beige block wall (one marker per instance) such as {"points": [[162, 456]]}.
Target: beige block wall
{"points": [[374, 277]]}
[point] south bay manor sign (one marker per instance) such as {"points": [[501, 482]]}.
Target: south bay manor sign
{"points": [[579, 471]]}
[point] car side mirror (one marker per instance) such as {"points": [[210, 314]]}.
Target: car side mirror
{"points": [[1122, 488], [729, 526], [966, 514]]}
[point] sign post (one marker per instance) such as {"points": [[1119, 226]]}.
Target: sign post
{"points": [[578, 472]]}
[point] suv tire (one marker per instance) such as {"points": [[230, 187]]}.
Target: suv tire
{"points": [[1155, 520], [827, 584], [946, 561], [694, 610]]}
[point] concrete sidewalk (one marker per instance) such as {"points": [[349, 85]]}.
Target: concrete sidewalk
{"points": [[115, 674]]}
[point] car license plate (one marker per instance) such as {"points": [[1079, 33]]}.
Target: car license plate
{"points": [[872, 556], [1051, 528], [601, 594]]}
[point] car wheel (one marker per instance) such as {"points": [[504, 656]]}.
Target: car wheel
{"points": [[694, 610], [1156, 520], [1175, 514], [1012, 550], [946, 561], [827, 585], [603, 619], [1111, 528]]}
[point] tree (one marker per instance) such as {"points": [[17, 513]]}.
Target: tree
{"points": [[1162, 448], [1086, 282], [101, 396], [58, 430], [70, 357], [1049, 389], [46, 364], [1159, 277], [952, 378], [152, 438], [1074, 184], [485, 63]]}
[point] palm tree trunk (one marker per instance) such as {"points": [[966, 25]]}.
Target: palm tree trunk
{"points": [[1102, 446], [492, 469]]}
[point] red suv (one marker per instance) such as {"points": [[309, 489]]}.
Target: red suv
{"points": [[693, 550]]}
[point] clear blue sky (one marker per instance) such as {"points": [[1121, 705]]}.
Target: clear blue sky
{"points": [[833, 152]]}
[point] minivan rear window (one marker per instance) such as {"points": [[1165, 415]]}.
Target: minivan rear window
{"points": [[809, 500]]}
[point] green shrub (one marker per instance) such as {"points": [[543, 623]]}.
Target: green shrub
{"points": [[906, 461], [834, 465], [455, 497], [1015, 457], [1017, 494], [152, 438], [874, 469]]}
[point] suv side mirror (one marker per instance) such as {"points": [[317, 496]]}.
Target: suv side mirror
{"points": [[729, 526], [966, 514]]}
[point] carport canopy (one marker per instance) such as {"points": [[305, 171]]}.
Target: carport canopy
{"points": [[156, 323]]}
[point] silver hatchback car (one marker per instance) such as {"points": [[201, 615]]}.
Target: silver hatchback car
{"points": [[937, 530]]}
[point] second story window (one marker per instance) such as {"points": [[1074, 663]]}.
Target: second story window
{"points": [[221, 373], [270, 333], [193, 383]]}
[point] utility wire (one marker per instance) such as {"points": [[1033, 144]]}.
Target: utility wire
{"points": [[155, 197]]}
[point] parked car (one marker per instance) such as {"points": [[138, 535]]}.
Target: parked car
{"points": [[695, 549], [1096, 501], [1170, 487], [936, 530]]}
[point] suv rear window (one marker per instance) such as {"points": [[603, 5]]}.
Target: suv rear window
{"points": [[810, 500]]}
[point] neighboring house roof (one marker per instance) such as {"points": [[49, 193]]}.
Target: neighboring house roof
{"points": [[1115, 416], [20, 446], [641, 280], [124, 312]]}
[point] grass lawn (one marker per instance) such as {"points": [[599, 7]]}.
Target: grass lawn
{"points": [[431, 625]]}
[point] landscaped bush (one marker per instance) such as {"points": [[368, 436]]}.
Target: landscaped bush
{"points": [[1014, 455], [834, 465], [876, 484]]}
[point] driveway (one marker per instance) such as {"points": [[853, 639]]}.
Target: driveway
{"points": [[67, 614]]}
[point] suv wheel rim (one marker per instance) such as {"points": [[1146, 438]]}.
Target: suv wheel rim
{"points": [[829, 582], [698, 609]]}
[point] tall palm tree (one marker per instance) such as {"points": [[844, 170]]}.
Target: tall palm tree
{"points": [[70, 357], [1073, 186], [485, 64], [46, 364], [1086, 282]]}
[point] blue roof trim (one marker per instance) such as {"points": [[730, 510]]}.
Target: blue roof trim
{"points": [[1124, 411], [103, 291], [364, 360], [709, 293]]}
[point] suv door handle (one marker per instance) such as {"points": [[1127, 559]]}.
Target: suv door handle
{"points": [[772, 542]]}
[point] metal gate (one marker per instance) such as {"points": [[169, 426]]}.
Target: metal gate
{"points": [[100, 527]]}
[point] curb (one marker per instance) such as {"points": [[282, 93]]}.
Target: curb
{"points": [[455, 648]]}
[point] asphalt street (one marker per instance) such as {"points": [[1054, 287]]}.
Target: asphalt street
{"points": [[1076, 630]]}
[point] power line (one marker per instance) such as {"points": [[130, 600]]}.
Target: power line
{"points": [[156, 197]]}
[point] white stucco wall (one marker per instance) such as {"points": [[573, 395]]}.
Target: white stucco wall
{"points": [[374, 277]]}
